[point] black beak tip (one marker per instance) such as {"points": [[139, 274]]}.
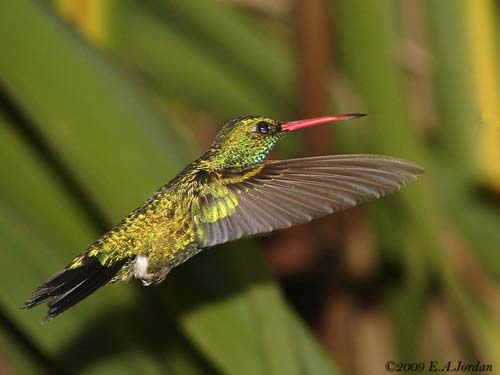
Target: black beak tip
{"points": [[357, 115]]}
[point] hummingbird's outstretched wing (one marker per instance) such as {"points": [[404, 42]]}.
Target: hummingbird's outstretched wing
{"points": [[278, 194]]}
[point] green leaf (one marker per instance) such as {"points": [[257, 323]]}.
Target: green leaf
{"points": [[234, 41], [181, 69], [314, 359], [457, 109]]}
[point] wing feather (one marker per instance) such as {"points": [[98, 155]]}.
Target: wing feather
{"points": [[287, 192]]}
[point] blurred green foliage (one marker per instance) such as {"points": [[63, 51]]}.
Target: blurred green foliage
{"points": [[101, 103]]}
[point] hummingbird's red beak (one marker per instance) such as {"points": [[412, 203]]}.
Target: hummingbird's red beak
{"points": [[295, 125]]}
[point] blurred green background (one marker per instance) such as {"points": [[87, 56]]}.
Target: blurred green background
{"points": [[101, 102]]}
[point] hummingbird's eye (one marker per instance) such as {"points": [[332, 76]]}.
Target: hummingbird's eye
{"points": [[263, 127]]}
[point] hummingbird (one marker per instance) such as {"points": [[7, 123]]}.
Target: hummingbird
{"points": [[228, 193]]}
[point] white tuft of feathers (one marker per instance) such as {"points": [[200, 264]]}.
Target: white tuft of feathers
{"points": [[141, 267]]}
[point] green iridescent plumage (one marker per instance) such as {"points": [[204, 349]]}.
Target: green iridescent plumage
{"points": [[228, 193]]}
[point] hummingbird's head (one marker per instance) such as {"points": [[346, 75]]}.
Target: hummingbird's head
{"points": [[247, 140]]}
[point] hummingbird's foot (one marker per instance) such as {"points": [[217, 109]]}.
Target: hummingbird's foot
{"points": [[159, 277], [147, 282], [151, 278]]}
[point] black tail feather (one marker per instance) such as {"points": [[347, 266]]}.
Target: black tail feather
{"points": [[70, 286]]}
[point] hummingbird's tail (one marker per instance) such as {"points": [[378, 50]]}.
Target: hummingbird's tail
{"points": [[70, 286]]}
